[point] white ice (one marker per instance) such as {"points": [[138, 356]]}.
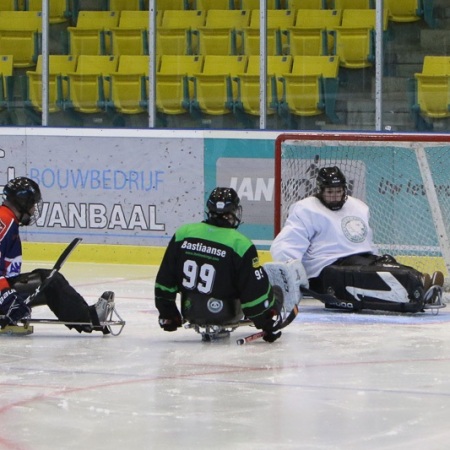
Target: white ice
{"points": [[333, 381]]}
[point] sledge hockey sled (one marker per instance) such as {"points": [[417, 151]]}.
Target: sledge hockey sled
{"points": [[433, 301], [114, 324], [212, 333]]}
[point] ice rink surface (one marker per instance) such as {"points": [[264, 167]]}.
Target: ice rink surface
{"points": [[334, 380]]}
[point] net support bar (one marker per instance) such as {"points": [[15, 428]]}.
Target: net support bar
{"points": [[433, 201]]}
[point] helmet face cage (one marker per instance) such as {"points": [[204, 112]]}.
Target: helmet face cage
{"points": [[329, 177], [223, 205], [24, 194]]}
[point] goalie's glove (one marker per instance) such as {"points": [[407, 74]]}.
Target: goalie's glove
{"points": [[13, 307], [269, 322]]}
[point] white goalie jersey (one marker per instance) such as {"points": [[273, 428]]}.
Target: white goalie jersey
{"points": [[318, 236]]}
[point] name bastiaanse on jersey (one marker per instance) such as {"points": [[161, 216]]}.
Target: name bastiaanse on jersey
{"points": [[202, 248]]}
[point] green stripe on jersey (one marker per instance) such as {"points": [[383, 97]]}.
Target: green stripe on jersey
{"points": [[229, 237], [166, 288], [259, 300]]}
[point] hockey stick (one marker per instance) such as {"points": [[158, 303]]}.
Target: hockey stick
{"points": [[325, 298], [59, 263], [253, 337]]}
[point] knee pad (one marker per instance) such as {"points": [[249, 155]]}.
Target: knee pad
{"points": [[396, 288], [26, 283]]}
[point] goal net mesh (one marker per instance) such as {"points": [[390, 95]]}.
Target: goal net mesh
{"points": [[405, 184]]}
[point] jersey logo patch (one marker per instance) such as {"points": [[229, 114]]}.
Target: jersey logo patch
{"points": [[354, 229], [214, 305]]}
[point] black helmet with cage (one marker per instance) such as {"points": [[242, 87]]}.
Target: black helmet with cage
{"points": [[24, 197], [331, 177], [224, 209]]}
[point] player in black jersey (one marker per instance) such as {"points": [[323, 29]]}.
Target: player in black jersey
{"points": [[217, 273]]}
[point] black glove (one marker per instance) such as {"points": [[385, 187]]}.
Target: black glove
{"points": [[4, 322], [169, 316], [13, 307], [170, 324], [272, 330], [270, 323]]}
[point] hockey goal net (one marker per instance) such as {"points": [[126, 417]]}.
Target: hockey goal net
{"points": [[405, 180]]}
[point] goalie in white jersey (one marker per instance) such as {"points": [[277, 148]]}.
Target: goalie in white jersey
{"points": [[330, 233]]}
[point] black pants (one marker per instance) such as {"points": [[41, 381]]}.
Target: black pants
{"points": [[367, 281], [64, 301]]}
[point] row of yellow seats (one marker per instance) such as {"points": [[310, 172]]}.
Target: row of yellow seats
{"points": [[399, 10], [218, 85], [205, 5], [212, 84], [87, 83], [228, 32], [59, 10], [299, 85], [128, 36]]}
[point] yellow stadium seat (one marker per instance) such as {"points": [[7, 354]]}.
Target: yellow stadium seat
{"points": [[355, 47], [130, 37], [90, 36], [58, 67], [172, 4], [278, 20], [175, 34], [311, 34], [129, 85], [205, 5], [255, 4], [123, 5], [432, 88], [174, 88], [354, 39], [403, 10], [20, 36], [58, 10], [356, 18], [306, 4], [436, 65], [433, 95], [6, 79], [311, 86], [219, 35], [89, 89], [215, 92], [353, 4], [8, 5], [249, 83]]}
